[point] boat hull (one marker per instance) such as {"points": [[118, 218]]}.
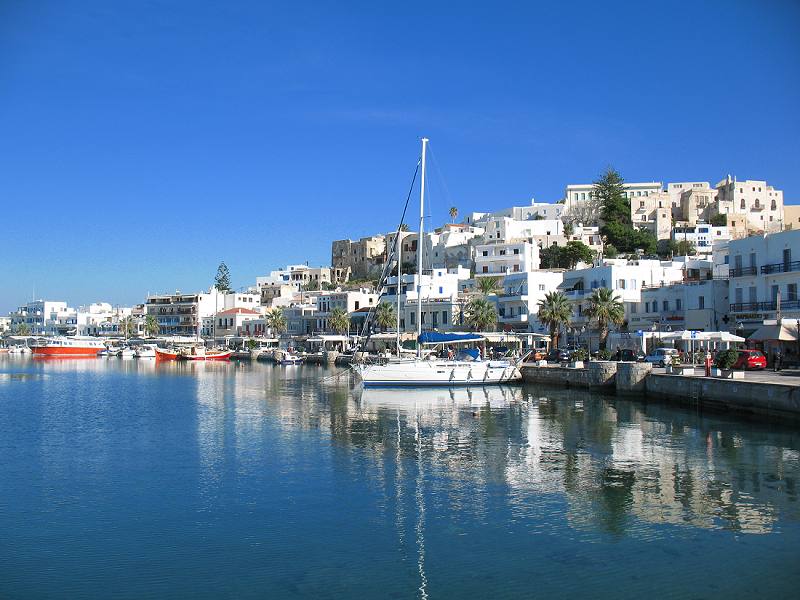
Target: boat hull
{"points": [[437, 373], [218, 357], [57, 352], [166, 354]]}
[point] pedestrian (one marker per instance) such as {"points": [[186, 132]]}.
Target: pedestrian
{"points": [[777, 359]]}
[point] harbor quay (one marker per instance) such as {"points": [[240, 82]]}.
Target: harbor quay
{"points": [[766, 394]]}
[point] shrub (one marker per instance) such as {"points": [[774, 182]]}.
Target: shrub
{"points": [[727, 358], [580, 354], [604, 354]]}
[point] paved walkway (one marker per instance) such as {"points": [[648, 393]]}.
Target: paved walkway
{"points": [[783, 377]]}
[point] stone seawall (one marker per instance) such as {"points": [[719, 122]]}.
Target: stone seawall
{"points": [[748, 397], [595, 375], [767, 399]]}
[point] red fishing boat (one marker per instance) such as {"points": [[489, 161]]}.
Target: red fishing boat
{"points": [[165, 354], [200, 353]]}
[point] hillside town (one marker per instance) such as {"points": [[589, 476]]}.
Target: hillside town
{"points": [[680, 256]]}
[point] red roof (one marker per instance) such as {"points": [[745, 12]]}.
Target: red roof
{"points": [[239, 311]]}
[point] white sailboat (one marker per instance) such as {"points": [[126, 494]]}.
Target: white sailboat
{"points": [[419, 372]]}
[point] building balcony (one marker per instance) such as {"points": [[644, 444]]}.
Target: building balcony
{"points": [[745, 307], [784, 267], [743, 271]]}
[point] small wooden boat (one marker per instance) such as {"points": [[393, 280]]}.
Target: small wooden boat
{"points": [[200, 353], [165, 354]]}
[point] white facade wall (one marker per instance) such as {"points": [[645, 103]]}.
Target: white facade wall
{"points": [[701, 305], [45, 317], [577, 194], [761, 268], [761, 204], [702, 236], [518, 304], [504, 259]]}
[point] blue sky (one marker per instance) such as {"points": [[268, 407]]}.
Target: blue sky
{"points": [[142, 143]]}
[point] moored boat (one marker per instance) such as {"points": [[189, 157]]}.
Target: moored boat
{"points": [[67, 346], [200, 353], [166, 354], [146, 351]]}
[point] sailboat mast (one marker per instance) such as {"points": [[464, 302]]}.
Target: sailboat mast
{"points": [[419, 247], [399, 245]]}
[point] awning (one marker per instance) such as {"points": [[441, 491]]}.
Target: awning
{"points": [[569, 284], [434, 337], [774, 333]]}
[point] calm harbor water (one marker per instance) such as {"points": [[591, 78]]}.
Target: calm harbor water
{"points": [[126, 479]]}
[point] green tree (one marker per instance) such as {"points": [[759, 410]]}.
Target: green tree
{"points": [[385, 316], [555, 311], [151, 326], [610, 251], [720, 220], [609, 191], [569, 229], [403, 227], [627, 239], [453, 213], [222, 280], [480, 314], [489, 285], [22, 329], [339, 321], [127, 326], [566, 257], [276, 320], [575, 252], [605, 308]]}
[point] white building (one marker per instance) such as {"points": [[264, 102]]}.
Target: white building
{"points": [[653, 212], [230, 321], [518, 304], [764, 268], [502, 259], [5, 325], [579, 196], [44, 317], [182, 314], [533, 211], [626, 278], [348, 301], [761, 205], [441, 308], [697, 305], [703, 236]]}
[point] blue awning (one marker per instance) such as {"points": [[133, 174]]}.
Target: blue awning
{"points": [[434, 337]]}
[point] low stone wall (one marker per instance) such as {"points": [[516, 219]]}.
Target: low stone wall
{"points": [[631, 377], [767, 399], [595, 374]]}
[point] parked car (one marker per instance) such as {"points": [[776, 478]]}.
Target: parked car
{"points": [[628, 355], [750, 359], [661, 356], [558, 355]]}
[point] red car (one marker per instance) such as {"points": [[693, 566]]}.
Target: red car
{"points": [[750, 359]]}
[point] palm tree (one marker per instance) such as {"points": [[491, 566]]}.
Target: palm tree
{"points": [[150, 326], [489, 285], [385, 315], [23, 329], [555, 311], [453, 213], [480, 314], [339, 321], [276, 320], [605, 308], [128, 326]]}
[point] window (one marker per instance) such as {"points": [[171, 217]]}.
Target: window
{"points": [[753, 259], [441, 290], [701, 302], [516, 250], [444, 317], [678, 304], [773, 206], [516, 268], [665, 305], [641, 203], [787, 256], [541, 287], [502, 252], [485, 269], [742, 204], [751, 294], [485, 253], [634, 308], [644, 217], [621, 284]]}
